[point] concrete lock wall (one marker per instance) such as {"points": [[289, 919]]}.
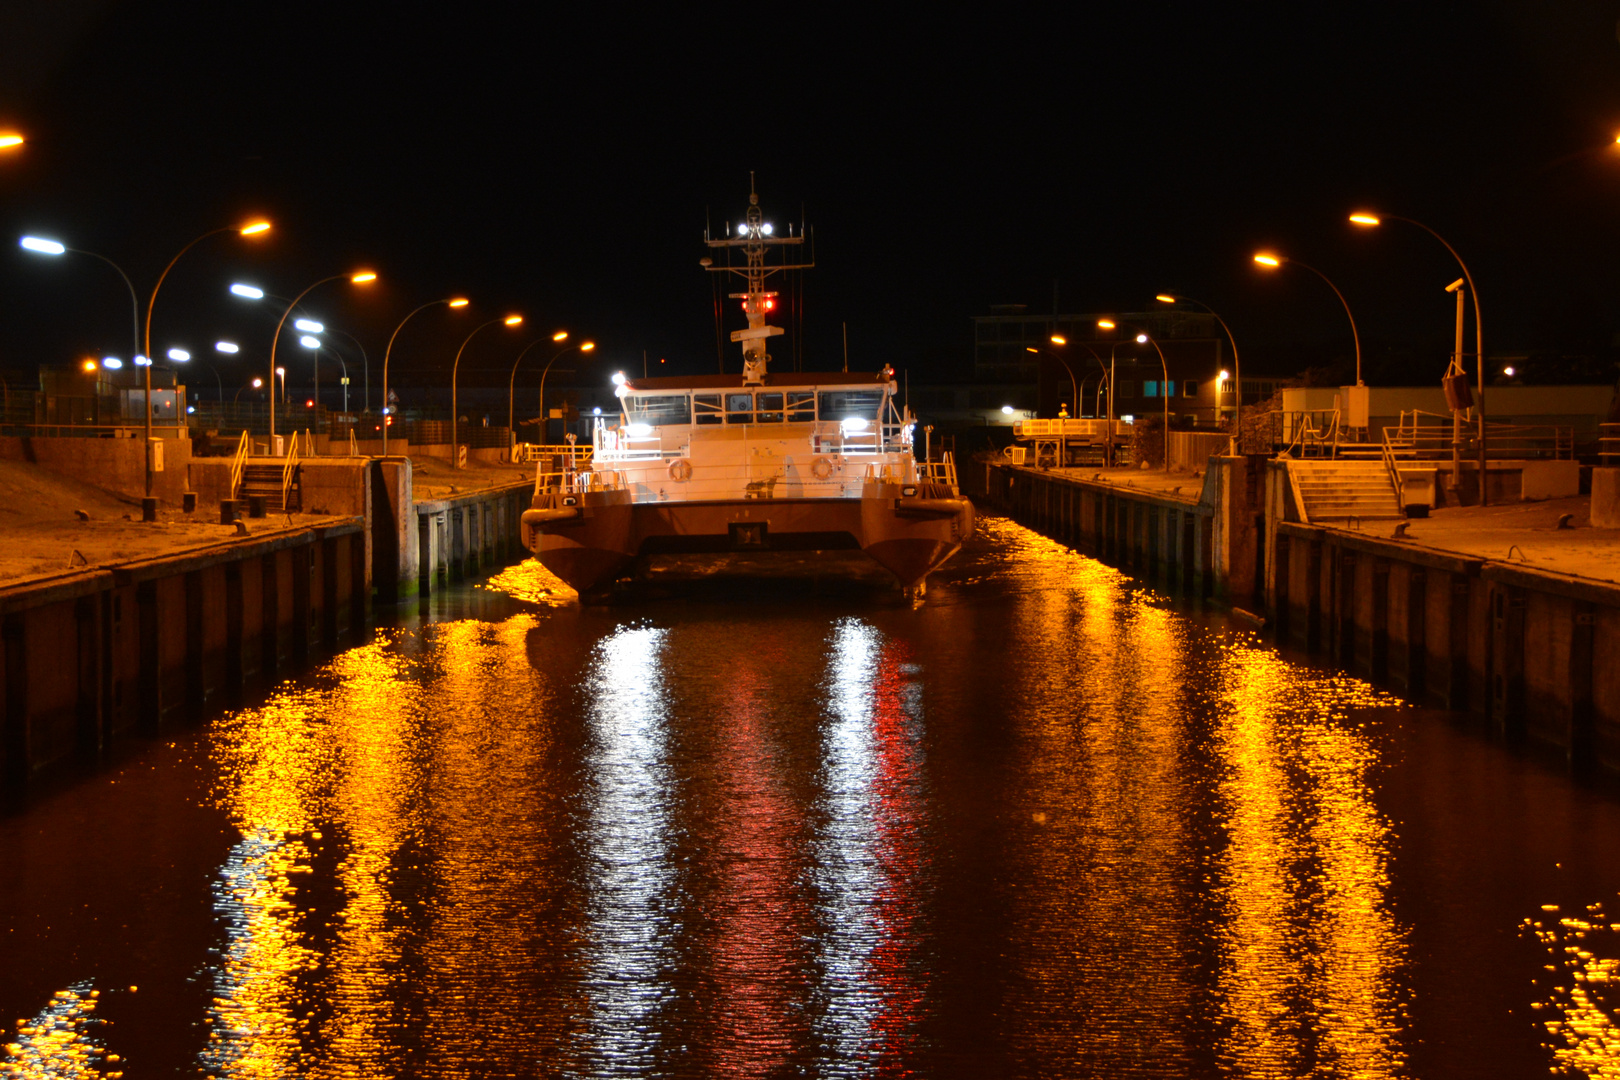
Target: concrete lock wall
{"points": [[458, 537], [118, 465], [91, 656]]}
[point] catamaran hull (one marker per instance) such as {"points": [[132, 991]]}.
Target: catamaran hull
{"points": [[605, 538]]}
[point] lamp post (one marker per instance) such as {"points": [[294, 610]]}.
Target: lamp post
{"points": [[1237, 368], [583, 347], [365, 370], [359, 277], [511, 385], [1074, 391], [1272, 261], [1108, 435], [41, 246], [455, 409], [1144, 338], [450, 301], [1368, 220], [256, 384]]}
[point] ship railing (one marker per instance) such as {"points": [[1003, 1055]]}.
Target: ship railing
{"points": [[556, 468], [942, 471]]}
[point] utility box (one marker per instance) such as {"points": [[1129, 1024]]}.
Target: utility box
{"points": [[154, 454], [1356, 400]]}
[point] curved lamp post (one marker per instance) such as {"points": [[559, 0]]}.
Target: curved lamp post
{"points": [[511, 385], [41, 246], [1369, 220], [584, 347], [450, 301], [1074, 390], [360, 277], [1144, 338], [455, 410], [1273, 261], [1108, 377], [1237, 366]]}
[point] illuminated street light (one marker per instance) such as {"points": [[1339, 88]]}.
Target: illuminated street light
{"points": [[309, 326], [111, 363], [179, 356], [1006, 410], [248, 292], [310, 342], [1074, 387], [227, 347], [583, 347], [42, 246], [1143, 338], [361, 277], [561, 335], [91, 365], [455, 402], [1366, 219], [1237, 385], [1267, 259], [453, 302], [10, 140]]}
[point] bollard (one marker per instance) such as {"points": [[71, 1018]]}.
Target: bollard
{"points": [[229, 511], [148, 509], [255, 506], [188, 502]]}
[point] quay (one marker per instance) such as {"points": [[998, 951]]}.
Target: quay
{"points": [[136, 625], [1509, 611]]}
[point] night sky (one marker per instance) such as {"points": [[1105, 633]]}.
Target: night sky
{"points": [[560, 161]]}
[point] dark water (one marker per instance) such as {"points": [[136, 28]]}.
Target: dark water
{"points": [[1043, 825]]}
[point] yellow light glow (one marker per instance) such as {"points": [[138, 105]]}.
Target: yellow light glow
{"points": [[514, 320], [256, 228], [1225, 374], [8, 139], [1028, 348], [1105, 324], [90, 365], [1364, 219], [1267, 260], [561, 335], [1059, 339], [588, 346], [458, 302], [363, 277]]}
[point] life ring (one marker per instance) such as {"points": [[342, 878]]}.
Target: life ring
{"points": [[680, 470], [821, 468]]}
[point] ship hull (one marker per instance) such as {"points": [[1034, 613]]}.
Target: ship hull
{"points": [[883, 538]]}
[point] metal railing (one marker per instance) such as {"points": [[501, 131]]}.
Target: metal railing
{"points": [[942, 471], [1608, 443], [1413, 438], [244, 447], [556, 468], [1307, 433], [289, 469]]}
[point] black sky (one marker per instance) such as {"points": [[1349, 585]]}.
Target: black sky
{"points": [[560, 161]]}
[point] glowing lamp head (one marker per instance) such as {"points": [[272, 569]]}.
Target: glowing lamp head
{"points": [[1105, 324], [1225, 374], [1165, 298], [1031, 348], [256, 228], [561, 335], [258, 383], [10, 139], [111, 363], [1268, 259], [42, 246], [91, 365], [179, 356], [143, 361], [247, 292], [309, 341], [618, 378], [1141, 339], [364, 277], [458, 302], [1059, 339], [1364, 219], [308, 326], [513, 320], [227, 347], [588, 346], [1508, 371], [1006, 410], [766, 228], [282, 372]]}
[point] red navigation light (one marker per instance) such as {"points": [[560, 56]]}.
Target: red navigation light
{"points": [[309, 403], [770, 304]]}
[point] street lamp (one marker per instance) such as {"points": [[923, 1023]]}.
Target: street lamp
{"points": [[455, 302], [1144, 338], [511, 384], [1272, 261], [455, 406], [1369, 220], [10, 140], [360, 277], [41, 246], [256, 384], [583, 347], [1074, 389], [1237, 366]]}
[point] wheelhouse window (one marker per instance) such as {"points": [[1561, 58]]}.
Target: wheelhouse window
{"points": [[739, 408], [769, 408], [840, 405], [656, 410], [801, 406], [706, 409]]}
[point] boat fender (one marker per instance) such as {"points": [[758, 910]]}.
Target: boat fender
{"points": [[680, 470], [821, 468]]}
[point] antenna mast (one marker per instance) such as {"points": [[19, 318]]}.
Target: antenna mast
{"points": [[755, 237]]}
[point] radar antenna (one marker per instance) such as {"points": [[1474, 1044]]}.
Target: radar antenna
{"points": [[755, 237]]}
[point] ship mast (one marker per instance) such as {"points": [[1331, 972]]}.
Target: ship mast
{"points": [[755, 237]]}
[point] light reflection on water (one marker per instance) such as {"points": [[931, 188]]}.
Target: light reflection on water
{"points": [[1042, 825]]}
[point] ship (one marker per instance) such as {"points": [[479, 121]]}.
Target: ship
{"points": [[756, 475]]}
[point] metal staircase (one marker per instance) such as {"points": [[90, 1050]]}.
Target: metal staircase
{"points": [[269, 478], [1326, 489]]}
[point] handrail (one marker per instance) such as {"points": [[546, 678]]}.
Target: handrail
{"points": [[288, 469], [244, 447], [354, 447], [1392, 468]]}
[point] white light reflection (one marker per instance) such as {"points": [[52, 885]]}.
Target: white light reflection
{"points": [[628, 838], [869, 865], [59, 1042]]}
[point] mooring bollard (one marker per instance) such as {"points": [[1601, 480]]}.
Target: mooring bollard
{"points": [[149, 509], [188, 502], [255, 506], [229, 511]]}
